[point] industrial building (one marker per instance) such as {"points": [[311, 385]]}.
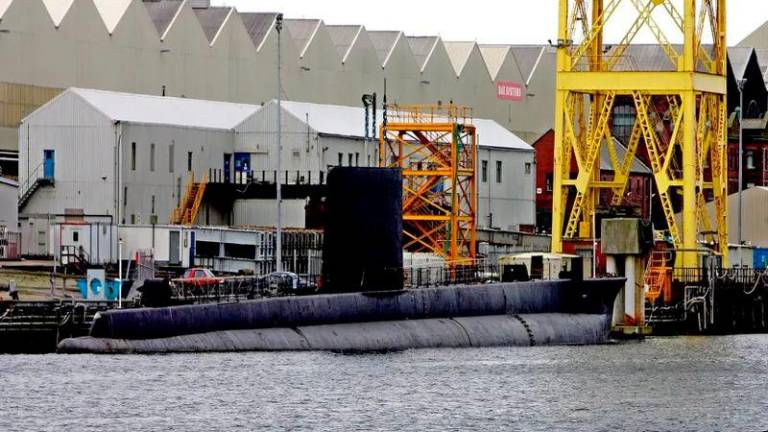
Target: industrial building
{"points": [[124, 159], [187, 49], [9, 215]]}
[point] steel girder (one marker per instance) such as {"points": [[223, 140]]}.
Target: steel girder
{"points": [[680, 122]]}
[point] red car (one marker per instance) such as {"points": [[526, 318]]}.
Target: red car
{"points": [[199, 277]]}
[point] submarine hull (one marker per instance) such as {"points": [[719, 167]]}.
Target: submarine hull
{"points": [[507, 314]]}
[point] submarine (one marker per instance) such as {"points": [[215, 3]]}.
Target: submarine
{"points": [[362, 306]]}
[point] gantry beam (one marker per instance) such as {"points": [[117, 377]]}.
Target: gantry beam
{"points": [[680, 121]]}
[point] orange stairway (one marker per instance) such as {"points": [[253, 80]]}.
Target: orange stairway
{"points": [[187, 212], [658, 277]]}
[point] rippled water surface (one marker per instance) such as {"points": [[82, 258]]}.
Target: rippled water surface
{"points": [[685, 384]]}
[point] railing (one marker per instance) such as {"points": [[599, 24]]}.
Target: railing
{"points": [[30, 181], [10, 244], [289, 178]]}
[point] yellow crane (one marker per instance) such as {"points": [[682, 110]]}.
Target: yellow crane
{"points": [[688, 160]]}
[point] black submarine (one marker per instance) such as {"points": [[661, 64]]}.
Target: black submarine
{"points": [[362, 307]]}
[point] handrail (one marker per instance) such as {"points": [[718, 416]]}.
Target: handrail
{"points": [[24, 188]]}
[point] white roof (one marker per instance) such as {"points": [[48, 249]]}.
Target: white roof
{"points": [[146, 109], [346, 121]]}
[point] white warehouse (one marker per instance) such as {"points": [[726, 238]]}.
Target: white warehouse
{"points": [[129, 157]]}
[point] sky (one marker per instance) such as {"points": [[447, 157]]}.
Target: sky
{"points": [[484, 21]]}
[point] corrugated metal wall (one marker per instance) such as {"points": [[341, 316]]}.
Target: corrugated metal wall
{"points": [[19, 100], [132, 58], [84, 142], [512, 202], [262, 213]]}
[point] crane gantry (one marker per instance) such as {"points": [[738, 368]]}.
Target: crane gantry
{"points": [[680, 116]]}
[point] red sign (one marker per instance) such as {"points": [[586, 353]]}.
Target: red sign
{"points": [[508, 90]]}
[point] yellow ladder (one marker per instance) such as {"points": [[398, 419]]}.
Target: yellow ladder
{"points": [[188, 209]]}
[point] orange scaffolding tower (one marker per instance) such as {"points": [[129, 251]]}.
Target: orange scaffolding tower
{"points": [[435, 146]]}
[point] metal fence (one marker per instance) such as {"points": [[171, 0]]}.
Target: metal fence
{"points": [[10, 244], [480, 272]]}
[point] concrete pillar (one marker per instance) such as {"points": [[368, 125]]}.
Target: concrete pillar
{"points": [[630, 288], [611, 267]]}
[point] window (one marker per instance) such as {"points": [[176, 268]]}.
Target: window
{"points": [[189, 161], [527, 167], [75, 236], [623, 122], [153, 205], [357, 159], [498, 171], [750, 162], [549, 182], [171, 151], [133, 156], [349, 158], [125, 196], [341, 159], [152, 157], [133, 219], [178, 191], [484, 171]]}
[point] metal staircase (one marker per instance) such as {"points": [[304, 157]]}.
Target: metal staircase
{"points": [[186, 213], [658, 276], [34, 182]]}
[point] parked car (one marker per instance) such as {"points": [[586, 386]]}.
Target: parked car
{"points": [[287, 283], [199, 277]]}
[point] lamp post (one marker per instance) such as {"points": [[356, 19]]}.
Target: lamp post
{"points": [[279, 234], [742, 83], [594, 243], [120, 273]]}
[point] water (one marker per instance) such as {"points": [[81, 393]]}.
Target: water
{"points": [[679, 384]]}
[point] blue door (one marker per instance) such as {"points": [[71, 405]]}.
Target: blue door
{"points": [[48, 163], [242, 167], [227, 167]]}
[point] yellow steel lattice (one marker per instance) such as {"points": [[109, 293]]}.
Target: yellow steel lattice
{"points": [[680, 123]]}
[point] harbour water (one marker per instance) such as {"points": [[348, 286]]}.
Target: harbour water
{"points": [[662, 384]]}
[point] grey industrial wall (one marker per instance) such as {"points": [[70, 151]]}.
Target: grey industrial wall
{"points": [[115, 45]]}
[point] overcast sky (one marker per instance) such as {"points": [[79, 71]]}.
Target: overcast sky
{"points": [[485, 21]]}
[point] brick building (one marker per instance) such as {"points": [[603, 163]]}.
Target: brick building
{"points": [[638, 193]]}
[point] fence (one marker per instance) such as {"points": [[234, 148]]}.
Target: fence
{"points": [[10, 244], [303, 178], [480, 272]]}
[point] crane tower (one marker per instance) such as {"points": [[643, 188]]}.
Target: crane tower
{"points": [[435, 146], [680, 121]]}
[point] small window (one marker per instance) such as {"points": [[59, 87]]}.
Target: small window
{"points": [[349, 158], [527, 167], [189, 161], [549, 183], [750, 156], [75, 236], [341, 159], [133, 219], [171, 151], [484, 171], [152, 157], [357, 159], [125, 196], [133, 156], [498, 171]]}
